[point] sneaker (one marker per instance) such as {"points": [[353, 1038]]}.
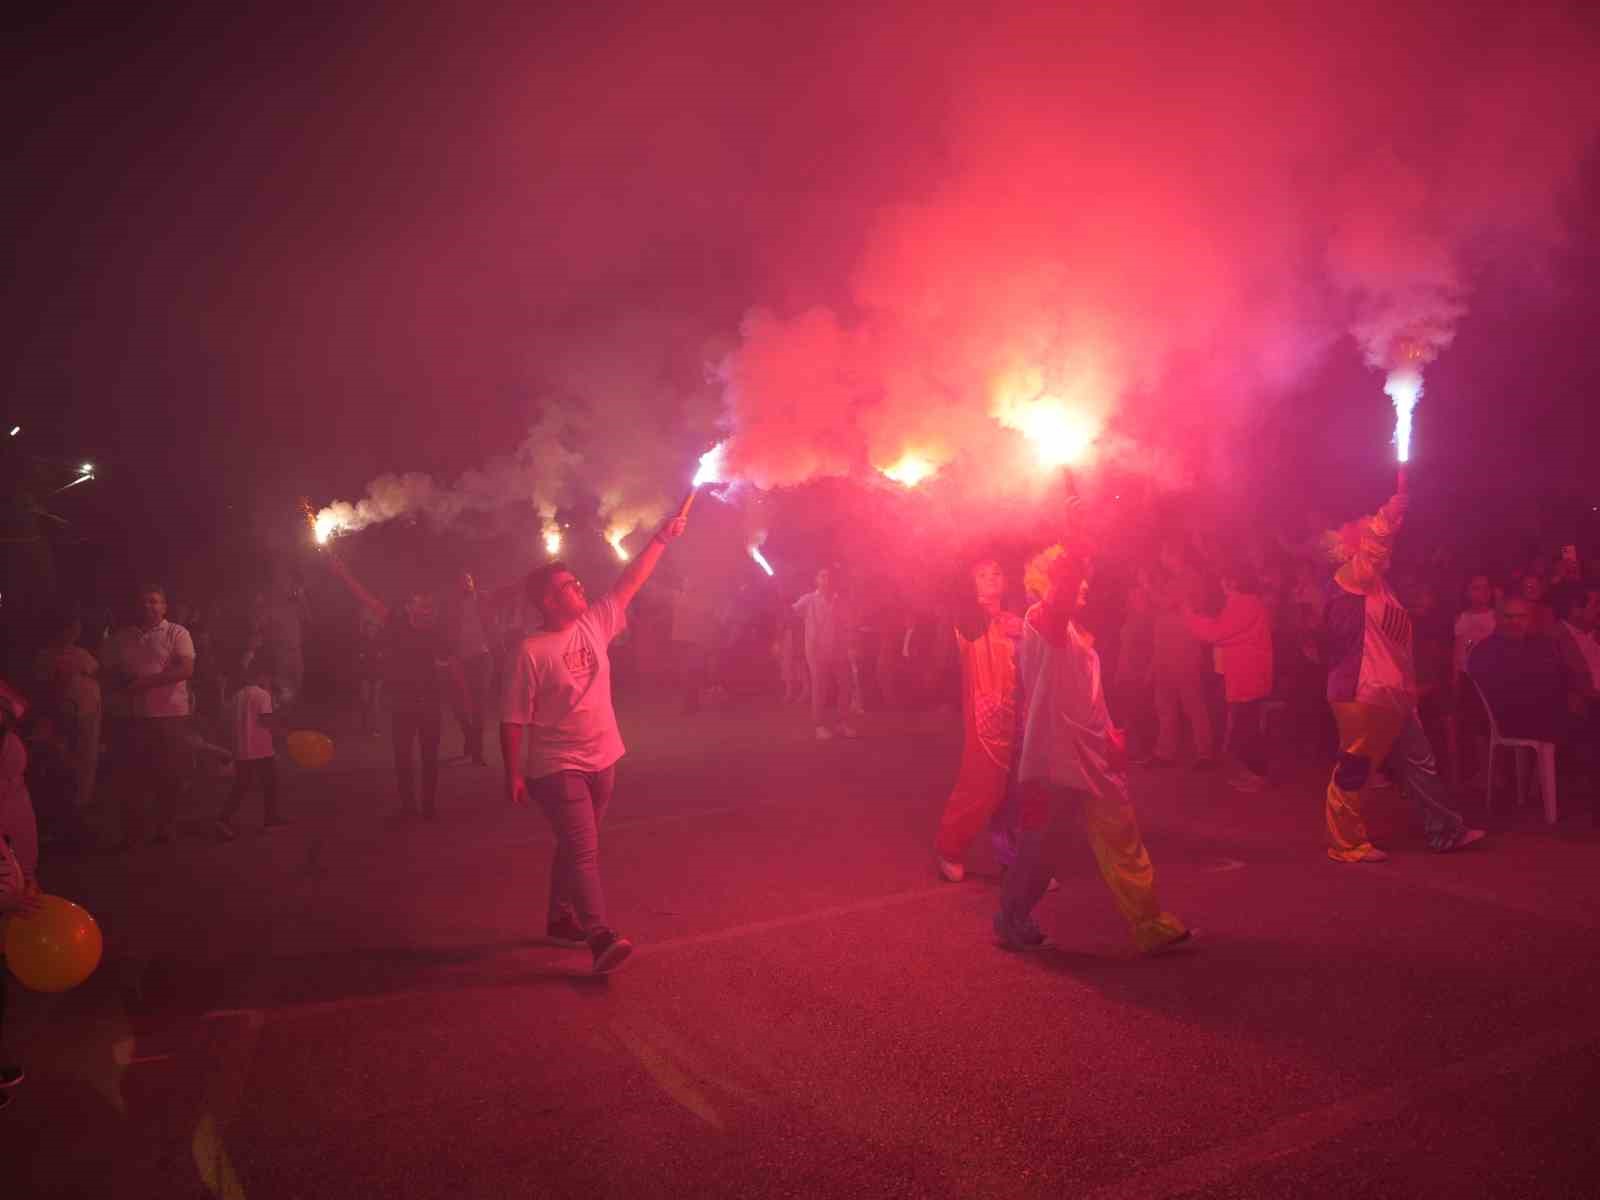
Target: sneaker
{"points": [[226, 832], [1370, 855], [1023, 937], [1246, 781], [1183, 939], [1464, 837], [953, 872], [824, 734], [1054, 885], [848, 731], [610, 950], [565, 931], [11, 1075]]}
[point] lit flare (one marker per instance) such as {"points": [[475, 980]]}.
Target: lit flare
{"points": [[1061, 436], [910, 469], [614, 538], [761, 559]]}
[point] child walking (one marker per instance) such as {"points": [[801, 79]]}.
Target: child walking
{"points": [[254, 762]]}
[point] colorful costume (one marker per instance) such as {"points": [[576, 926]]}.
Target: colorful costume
{"points": [[1372, 689], [989, 718], [1068, 757]]}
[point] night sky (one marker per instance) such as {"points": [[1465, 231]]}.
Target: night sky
{"points": [[262, 255]]}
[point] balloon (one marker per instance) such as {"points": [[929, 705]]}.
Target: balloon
{"points": [[308, 748], [55, 948]]}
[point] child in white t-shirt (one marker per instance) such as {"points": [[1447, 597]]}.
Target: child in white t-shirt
{"points": [[254, 765]]}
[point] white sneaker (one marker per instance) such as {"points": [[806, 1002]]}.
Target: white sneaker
{"points": [[848, 731], [824, 734], [953, 872]]}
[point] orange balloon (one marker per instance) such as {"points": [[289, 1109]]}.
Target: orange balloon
{"points": [[55, 948], [308, 748]]}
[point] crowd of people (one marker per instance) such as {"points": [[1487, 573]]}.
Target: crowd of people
{"points": [[1214, 655]]}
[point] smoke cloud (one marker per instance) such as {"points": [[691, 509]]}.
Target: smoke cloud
{"points": [[866, 236]]}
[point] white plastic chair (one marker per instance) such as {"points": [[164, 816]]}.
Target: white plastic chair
{"points": [[1545, 752]]}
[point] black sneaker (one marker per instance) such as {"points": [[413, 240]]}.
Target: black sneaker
{"points": [[11, 1075], [609, 949], [226, 832], [565, 931]]}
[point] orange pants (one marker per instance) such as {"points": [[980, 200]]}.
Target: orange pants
{"points": [[978, 792]]}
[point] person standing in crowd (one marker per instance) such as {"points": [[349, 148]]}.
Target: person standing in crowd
{"points": [[70, 673], [1175, 656], [1577, 609], [153, 662], [254, 762], [1468, 726], [1372, 689], [472, 625], [1073, 758], [986, 642], [1242, 635], [1541, 618], [828, 623], [418, 668], [19, 853], [557, 707]]}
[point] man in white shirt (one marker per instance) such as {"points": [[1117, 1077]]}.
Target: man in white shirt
{"points": [[154, 661], [1577, 610], [1072, 757], [558, 686], [827, 620]]}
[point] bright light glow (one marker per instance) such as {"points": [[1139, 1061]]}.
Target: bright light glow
{"points": [[323, 526], [614, 537], [552, 541], [713, 466], [16, 429], [910, 469], [1061, 436], [761, 559], [86, 469], [1404, 387]]}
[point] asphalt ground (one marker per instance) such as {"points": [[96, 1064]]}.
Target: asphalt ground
{"points": [[345, 1009]]}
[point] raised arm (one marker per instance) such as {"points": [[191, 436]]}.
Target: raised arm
{"points": [[1371, 559], [370, 602], [638, 570]]}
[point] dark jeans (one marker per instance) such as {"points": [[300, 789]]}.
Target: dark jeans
{"points": [[419, 725], [576, 802], [469, 713], [1247, 739], [157, 761], [250, 773]]}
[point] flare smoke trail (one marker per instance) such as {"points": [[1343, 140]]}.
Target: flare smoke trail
{"points": [[1158, 219], [1127, 227]]}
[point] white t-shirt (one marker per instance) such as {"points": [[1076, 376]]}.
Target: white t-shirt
{"points": [[1471, 628], [1066, 726], [826, 620], [1590, 649], [1388, 671], [251, 739], [560, 684], [144, 652]]}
